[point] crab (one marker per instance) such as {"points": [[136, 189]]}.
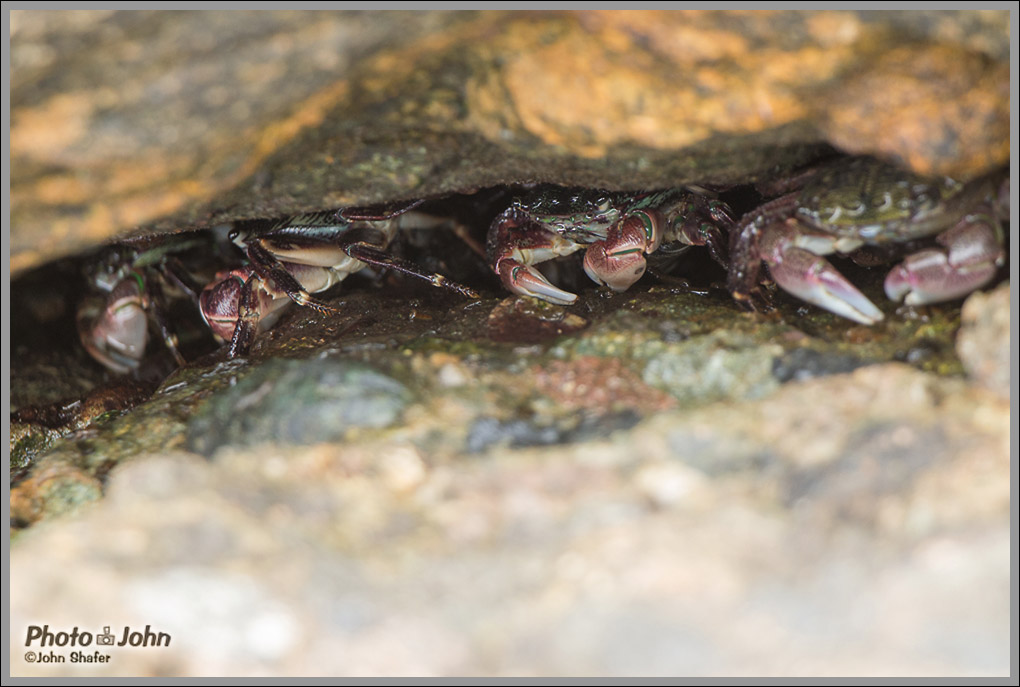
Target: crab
{"points": [[857, 202], [128, 288], [617, 230], [292, 259]]}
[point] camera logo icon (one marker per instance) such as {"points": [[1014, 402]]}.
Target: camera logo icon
{"points": [[105, 639]]}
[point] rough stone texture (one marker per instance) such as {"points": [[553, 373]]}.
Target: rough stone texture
{"points": [[555, 508], [985, 341], [120, 119], [417, 359], [649, 483], [864, 531], [127, 121], [297, 402]]}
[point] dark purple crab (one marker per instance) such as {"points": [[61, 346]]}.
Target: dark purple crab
{"points": [[617, 230], [860, 201], [129, 284], [292, 259]]}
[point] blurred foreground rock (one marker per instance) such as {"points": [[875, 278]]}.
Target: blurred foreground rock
{"points": [[985, 340], [861, 529], [649, 483]]}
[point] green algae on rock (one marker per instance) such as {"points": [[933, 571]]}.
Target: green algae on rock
{"points": [[297, 402]]}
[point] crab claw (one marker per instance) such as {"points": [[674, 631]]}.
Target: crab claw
{"points": [[619, 260], [971, 255], [117, 336], [220, 304], [811, 277], [525, 280], [617, 270], [515, 244]]}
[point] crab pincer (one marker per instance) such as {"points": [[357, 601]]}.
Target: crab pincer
{"points": [[852, 202], [615, 229], [292, 259]]}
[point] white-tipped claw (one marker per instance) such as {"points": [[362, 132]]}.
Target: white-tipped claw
{"points": [[969, 259], [525, 280], [813, 279]]}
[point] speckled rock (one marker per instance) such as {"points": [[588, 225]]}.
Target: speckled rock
{"points": [[985, 340], [654, 482], [434, 372], [163, 121], [297, 401], [529, 320], [863, 529]]}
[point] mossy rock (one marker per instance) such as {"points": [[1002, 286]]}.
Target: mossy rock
{"points": [[134, 122]]}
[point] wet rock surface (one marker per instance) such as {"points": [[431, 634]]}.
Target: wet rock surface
{"points": [[643, 487], [296, 402], [655, 482]]}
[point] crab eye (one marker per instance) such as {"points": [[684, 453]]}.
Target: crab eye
{"points": [[237, 236]]}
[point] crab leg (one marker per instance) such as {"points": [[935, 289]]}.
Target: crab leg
{"points": [[162, 321], [375, 213], [700, 221], [175, 271], [371, 255], [269, 267], [745, 247], [971, 254], [248, 316], [412, 220]]}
